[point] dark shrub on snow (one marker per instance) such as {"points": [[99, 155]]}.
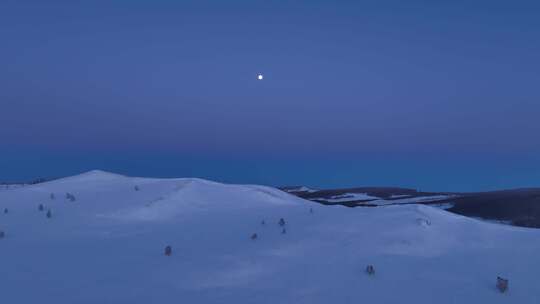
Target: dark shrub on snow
{"points": [[370, 270], [70, 197], [168, 251], [502, 284]]}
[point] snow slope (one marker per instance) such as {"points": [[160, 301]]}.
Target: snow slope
{"points": [[364, 198], [107, 247], [10, 186], [347, 197], [411, 200], [300, 189]]}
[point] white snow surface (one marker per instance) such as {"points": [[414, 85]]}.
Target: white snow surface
{"points": [[11, 186], [373, 200], [301, 189], [399, 195], [107, 247], [348, 197], [412, 200]]}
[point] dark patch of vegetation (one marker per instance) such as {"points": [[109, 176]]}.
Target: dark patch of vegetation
{"points": [[521, 207], [370, 269], [70, 197]]}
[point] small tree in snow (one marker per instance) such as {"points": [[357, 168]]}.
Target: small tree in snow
{"points": [[136, 188], [310, 210], [502, 284], [284, 231], [370, 270], [49, 213], [52, 196], [281, 222], [40, 208], [168, 250], [70, 197], [2, 234], [263, 223], [6, 211], [254, 236]]}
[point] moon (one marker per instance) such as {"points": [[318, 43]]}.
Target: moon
{"points": [[260, 77]]}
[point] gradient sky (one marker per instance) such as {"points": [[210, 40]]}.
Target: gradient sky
{"points": [[434, 95]]}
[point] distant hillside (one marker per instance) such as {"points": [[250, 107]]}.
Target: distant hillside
{"points": [[519, 207], [11, 185]]}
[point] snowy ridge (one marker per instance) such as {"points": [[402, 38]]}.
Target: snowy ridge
{"points": [[378, 201], [411, 200], [300, 189], [106, 246], [348, 197], [11, 186]]}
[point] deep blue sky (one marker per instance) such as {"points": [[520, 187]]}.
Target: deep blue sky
{"points": [[435, 95]]}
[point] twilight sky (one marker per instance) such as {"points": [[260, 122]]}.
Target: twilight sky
{"points": [[434, 95]]}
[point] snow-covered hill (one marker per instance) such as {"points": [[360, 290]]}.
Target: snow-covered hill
{"points": [[11, 186], [107, 246], [365, 199]]}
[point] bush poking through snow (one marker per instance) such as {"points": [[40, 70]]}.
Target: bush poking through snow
{"points": [[281, 222], [263, 223], [41, 208], [70, 197], [423, 222], [254, 236], [2, 234], [284, 231], [502, 284], [136, 188], [370, 270], [168, 250], [310, 210], [52, 196], [49, 213], [6, 211]]}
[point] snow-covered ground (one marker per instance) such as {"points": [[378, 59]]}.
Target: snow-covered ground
{"points": [[348, 197], [11, 186], [373, 200], [300, 189], [411, 200], [399, 195], [107, 247]]}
